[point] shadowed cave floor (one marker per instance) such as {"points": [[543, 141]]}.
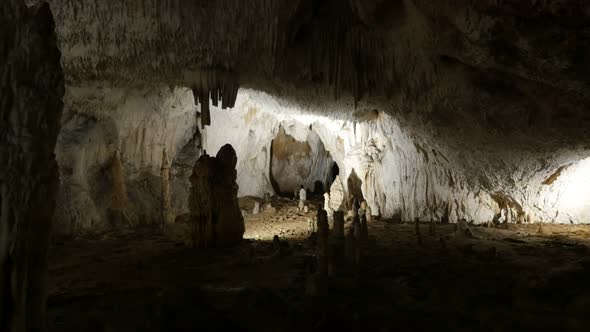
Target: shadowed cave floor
{"points": [[140, 281]]}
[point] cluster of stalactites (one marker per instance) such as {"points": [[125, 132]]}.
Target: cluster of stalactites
{"points": [[215, 85]]}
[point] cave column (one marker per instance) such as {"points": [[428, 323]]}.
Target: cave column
{"points": [[31, 91], [167, 213]]}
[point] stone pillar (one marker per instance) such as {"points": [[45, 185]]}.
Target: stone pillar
{"points": [[216, 217], [31, 91], [338, 223], [364, 232], [351, 246], [323, 238], [119, 201], [337, 245], [167, 213]]}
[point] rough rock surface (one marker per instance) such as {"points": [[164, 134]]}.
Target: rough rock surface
{"points": [[216, 218], [140, 124], [474, 106], [337, 195], [31, 88]]}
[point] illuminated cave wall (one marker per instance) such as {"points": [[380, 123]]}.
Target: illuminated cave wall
{"points": [[405, 174]]}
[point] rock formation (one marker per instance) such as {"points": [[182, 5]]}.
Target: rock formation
{"points": [[446, 132], [118, 212], [216, 218], [323, 242], [31, 91], [167, 213], [337, 195]]}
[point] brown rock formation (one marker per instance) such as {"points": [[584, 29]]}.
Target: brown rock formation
{"points": [[31, 91], [119, 200], [167, 213], [215, 213]]}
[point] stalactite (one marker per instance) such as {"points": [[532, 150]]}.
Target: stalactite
{"points": [[214, 85]]}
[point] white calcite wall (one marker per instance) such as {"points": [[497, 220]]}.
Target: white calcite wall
{"points": [[405, 174], [99, 121], [250, 128], [400, 177]]}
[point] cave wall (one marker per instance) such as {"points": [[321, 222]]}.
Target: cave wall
{"points": [[31, 90], [498, 89], [295, 164], [99, 122], [401, 175]]}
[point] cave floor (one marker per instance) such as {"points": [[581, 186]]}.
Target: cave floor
{"points": [[521, 277]]}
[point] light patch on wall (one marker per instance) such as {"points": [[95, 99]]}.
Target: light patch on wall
{"points": [[574, 197]]}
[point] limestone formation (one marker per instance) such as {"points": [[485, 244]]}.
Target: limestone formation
{"points": [[363, 208], [256, 209], [327, 207], [167, 213], [369, 214], [215, 214], [338, 228], [355, 207], [337, 195], [323, 242], [119, 212], [413, 152], [351, 246], [337, 246], [364, 229], [31, 91], [302, 195]]}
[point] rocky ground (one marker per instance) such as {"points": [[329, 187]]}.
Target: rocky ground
{"points": [[283, 218], [493, 279]]}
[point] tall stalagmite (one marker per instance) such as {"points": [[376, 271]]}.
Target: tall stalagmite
{"points": [[215, 214], [31, 91], [167, 214], [119, 200]]}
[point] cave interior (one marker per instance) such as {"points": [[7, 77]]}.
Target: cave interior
{"points": [[294, 165]]}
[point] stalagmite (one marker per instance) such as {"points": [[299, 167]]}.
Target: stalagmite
{"points": [[337, 245], [369, 214], [327, 205], [31, 89], [215, 214], [167, 213], [338, 228], [119, 200], [364, 232], [350, 246], [323, 238]]}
